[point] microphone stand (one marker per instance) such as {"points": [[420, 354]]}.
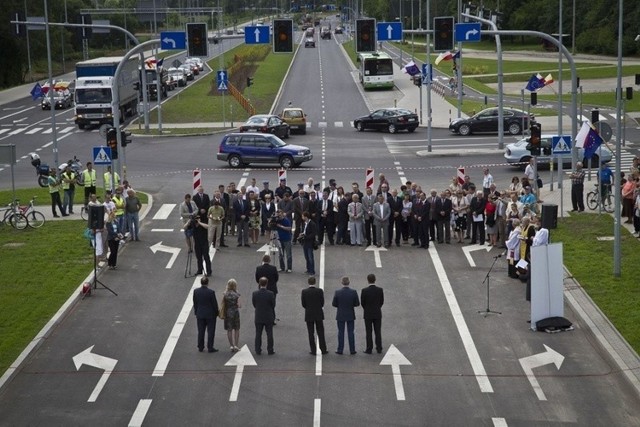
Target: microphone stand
{"points": [[488, 311]]}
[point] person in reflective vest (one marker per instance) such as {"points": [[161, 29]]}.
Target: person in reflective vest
{"points": [[118, 200], [69, 189], [108, 183], [89, 180]]}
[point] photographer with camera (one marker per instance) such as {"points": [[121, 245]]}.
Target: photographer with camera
{"points": [[188, 209], [281, 225], [201, 243]]}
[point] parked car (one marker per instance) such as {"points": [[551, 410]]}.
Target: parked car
{"points": [[266, 123], [486, 121], [389, 119], [295, 118], [518, 155], [309, 42], [197, 60], [187, 70], [325, 33], [177, 76], [239, 149], [61, 98]]}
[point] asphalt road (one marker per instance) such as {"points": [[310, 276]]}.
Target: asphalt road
{"points": [[452, 365]]}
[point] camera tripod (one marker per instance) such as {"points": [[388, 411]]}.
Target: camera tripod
{"points": [[95, 266], [488, 311], [187, 267]]}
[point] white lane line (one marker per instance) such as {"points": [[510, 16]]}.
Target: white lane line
{"points": [[32, 131], [48, 130], [67, 129], [463, 329], [499, 422], [164, 211], [141, 411], [162, 230], [48, 144], [17, 131], [4, 130], [317, 404]]}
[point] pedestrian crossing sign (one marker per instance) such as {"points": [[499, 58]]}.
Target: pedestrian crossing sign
{"points": [[561, 144], [222, 86], [101, 155]]}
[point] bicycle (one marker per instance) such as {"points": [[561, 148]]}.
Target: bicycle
{"points": [[35, 218], [594, 199], [14, 217]]}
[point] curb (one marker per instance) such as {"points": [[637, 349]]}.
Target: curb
{"points": [[62, 312]]}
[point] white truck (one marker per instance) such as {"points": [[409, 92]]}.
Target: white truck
{"points": [[93, 95]]}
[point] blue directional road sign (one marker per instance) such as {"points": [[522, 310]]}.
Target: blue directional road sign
{"points": [[561, 144], [222, 80], [258, 34], [170, 40], [101, 155], [427, 73], [389, 31], [469, 32]]}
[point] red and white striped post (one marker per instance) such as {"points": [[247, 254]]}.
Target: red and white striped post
{"points": [[368, 179], [460, 175], [282, 174], [197, 180]]}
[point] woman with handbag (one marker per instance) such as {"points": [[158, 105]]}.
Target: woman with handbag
{"points": [[231, 314]]}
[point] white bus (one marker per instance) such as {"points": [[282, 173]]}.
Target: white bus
{"points": [[376, 70]]}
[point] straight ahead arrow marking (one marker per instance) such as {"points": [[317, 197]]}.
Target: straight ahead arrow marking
{"points": [[239, 360], [395, 358]]}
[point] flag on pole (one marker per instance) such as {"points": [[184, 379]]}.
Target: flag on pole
{"points": [[588, 139], [535, 82], [411, 68], [36, 92], [548, 80], [159, 64], [444, 56]]}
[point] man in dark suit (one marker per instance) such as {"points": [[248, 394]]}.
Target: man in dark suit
{"points": [[241, 208], [345, 300], [313, 301], [264, 302], [420, 213], [271, 273], [395, 221], [372, 299], [443, 215], [203, 202], [205, 307], [326, 218], [300, 205], [310, 231], [223, 198]]}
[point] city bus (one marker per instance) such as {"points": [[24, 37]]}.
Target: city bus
{"points": [[376, 70]]}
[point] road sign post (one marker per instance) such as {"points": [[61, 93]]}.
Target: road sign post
{"points": [[173, 40], [222, 80], [468, 32], [101, 155], [258, 34], [389, 31]]}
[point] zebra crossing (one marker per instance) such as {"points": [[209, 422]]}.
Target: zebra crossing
{"points": [[10, 131]]}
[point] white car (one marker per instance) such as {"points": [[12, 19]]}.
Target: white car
{"points": [[517, 153], [177, 77], [197, 60]]}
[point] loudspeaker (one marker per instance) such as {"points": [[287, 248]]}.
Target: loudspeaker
{"points": [[96, 217], [549, 216]]}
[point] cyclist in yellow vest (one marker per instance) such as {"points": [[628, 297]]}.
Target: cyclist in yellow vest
{"points": [[69, 188], [108, 188], [89, 181], [118, 200]]}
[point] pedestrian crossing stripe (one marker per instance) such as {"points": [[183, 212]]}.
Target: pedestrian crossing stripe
{"points": [[34, 130], [3, 131]]}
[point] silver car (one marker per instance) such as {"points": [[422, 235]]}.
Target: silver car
{"points": [[517, 153]]}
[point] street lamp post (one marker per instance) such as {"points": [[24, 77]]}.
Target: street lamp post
{"points": [[52, 101]]}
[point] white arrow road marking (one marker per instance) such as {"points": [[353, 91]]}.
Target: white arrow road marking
{"points": [[395, 358], [266, 249], [239, 360], [167, 40], [535, 361], [173, 251], [461, 324], [468, 249], [376, 254], [101, 362]]}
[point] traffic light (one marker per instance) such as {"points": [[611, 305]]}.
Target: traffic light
{"points": [[365, 35], [112, 142], [197, 39], [535, 140], [534, 98], [443, 33], [249, 81], [283, 35], [125, 138]]}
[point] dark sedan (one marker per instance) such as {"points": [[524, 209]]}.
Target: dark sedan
{"points": [[486, 121], [266, 123], [389, 119], [62, 98]]}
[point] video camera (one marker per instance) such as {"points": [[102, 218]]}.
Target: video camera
{"points": [[272, 224]]}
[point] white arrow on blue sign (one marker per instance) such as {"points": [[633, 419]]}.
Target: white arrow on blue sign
{"points": [[257, 34], [173, 40], [561, 144], [468, 32], [427, 73], [389, 31], [222, 80]]}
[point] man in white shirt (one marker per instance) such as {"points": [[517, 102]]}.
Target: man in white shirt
{"points": [[253, 187], [487, 180]]}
